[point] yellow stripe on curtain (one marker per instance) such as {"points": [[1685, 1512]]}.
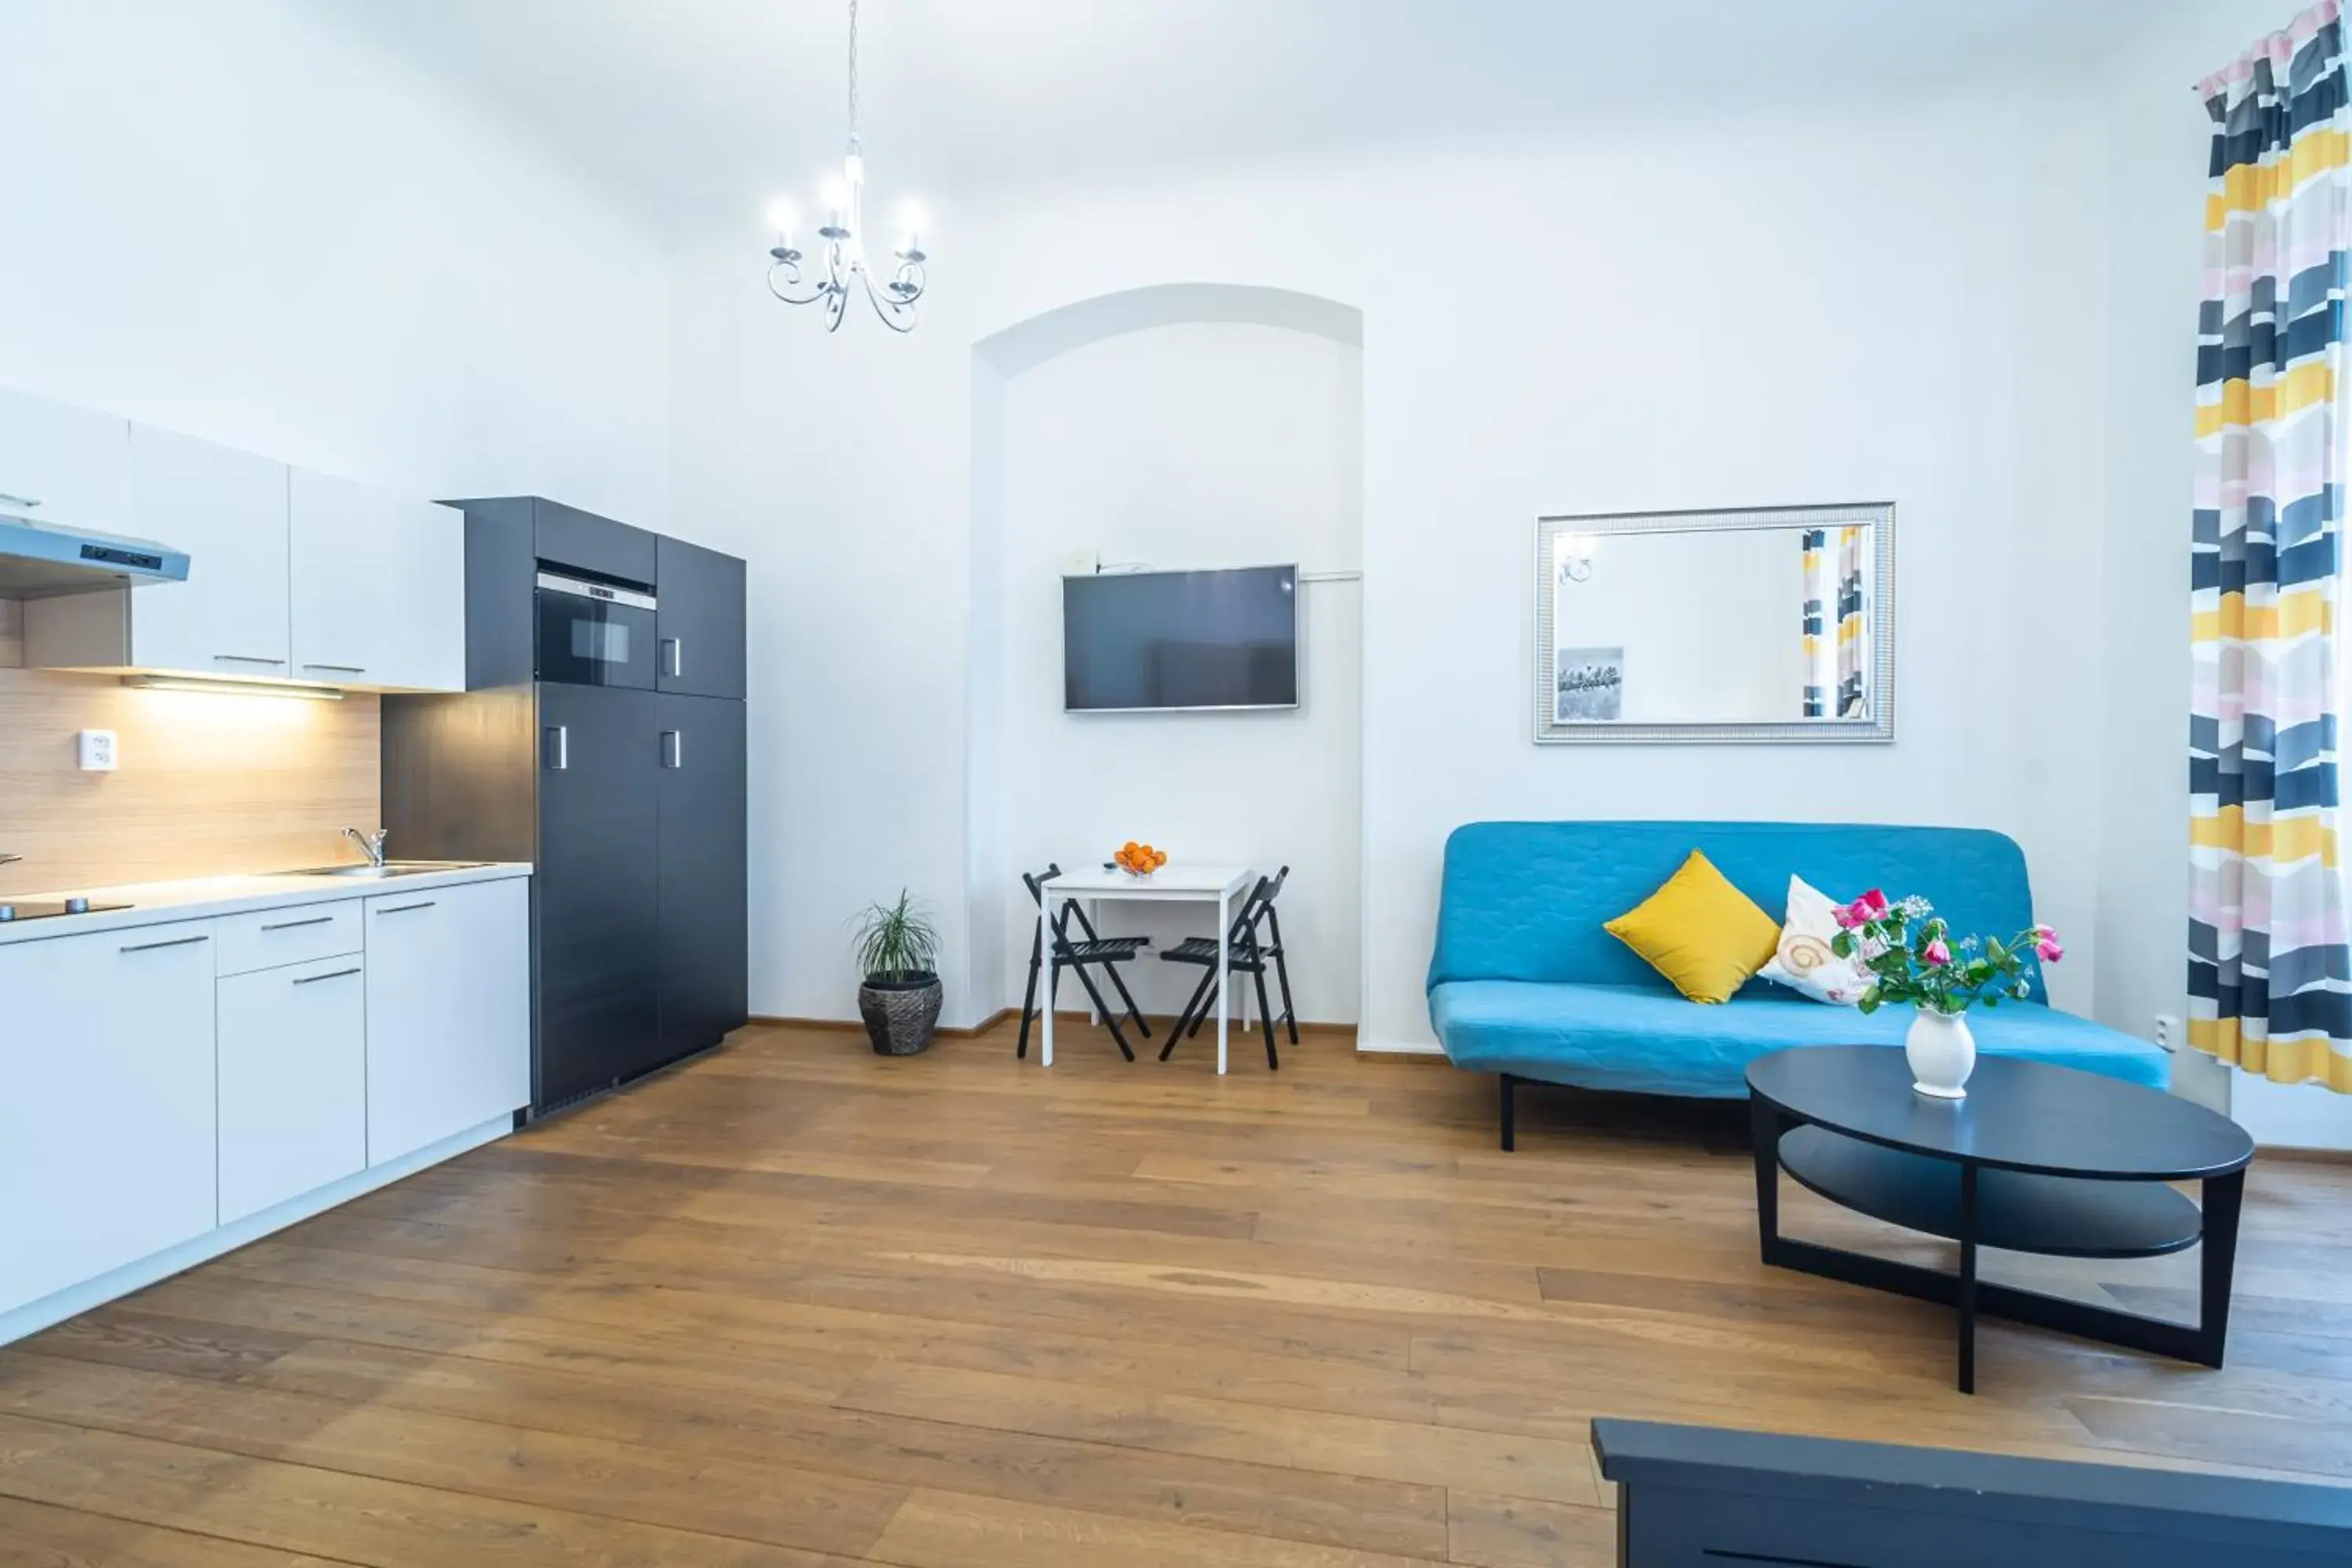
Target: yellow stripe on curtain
{"points": [[2251, 187], [2283, 843], [2299, 612], [2281, 1061], [2243, 402]]}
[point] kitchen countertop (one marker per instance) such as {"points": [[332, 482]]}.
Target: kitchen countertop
{"points": [[202, 897]]}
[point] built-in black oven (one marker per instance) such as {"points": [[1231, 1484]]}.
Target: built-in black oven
{"points": [[594, 634]]}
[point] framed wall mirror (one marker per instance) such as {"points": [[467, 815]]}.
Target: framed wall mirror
{"points": [[1772, 625]]}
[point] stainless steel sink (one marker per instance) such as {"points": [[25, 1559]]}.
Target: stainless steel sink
{"points": [[367, 873]]}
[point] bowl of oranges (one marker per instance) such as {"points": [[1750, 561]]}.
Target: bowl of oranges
{"points": [[1139, 859]]}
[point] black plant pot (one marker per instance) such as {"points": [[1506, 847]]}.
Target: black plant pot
{"points": [[901, 1011]]}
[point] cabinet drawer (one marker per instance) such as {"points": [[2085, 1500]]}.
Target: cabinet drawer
{"points": [[267, 938]]}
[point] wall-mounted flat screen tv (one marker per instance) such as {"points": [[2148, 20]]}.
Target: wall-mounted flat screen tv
{"points": [[1162, 641]]}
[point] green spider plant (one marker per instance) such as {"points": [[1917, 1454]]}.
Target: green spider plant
{"points": [[897, 941]]}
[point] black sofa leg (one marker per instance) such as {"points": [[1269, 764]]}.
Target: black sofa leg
{"points": [[1510, 1113]]}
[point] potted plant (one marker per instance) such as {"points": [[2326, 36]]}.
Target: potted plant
{"points": [[1913, 957], [898, 949]]}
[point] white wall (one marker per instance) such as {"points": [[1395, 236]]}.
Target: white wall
{"points": [[232, 219], [1819, 306], [1202, 445], [2153, 163]]}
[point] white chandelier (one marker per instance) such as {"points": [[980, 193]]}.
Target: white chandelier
{"points": [[845, 241]]}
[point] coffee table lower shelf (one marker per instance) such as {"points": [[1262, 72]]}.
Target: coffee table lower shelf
{"points": [[2064, 1216]]}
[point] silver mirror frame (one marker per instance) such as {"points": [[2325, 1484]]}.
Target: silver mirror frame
{"points": [[1876, 728]]}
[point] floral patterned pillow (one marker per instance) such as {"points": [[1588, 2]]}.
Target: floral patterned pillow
{"points": [[1803, 962]]}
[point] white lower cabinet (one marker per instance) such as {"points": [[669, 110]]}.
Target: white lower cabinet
{"points": [[293, 1081], [448, 1012], [174, 1089], [107, 1128]]}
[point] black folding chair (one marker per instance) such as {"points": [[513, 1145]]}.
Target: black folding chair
{"points": [[1248, 953], [1093, 949]]}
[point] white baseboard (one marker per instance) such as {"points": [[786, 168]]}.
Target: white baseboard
{"points": [[1369, 1047], [75, 1299]]}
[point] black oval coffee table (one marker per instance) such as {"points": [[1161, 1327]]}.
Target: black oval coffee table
{"points": [[2036, 1159]]}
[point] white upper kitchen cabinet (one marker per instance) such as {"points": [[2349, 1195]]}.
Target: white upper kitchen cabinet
{"points": [[227, 510], [107, 1133], [448, 1012], [379, 587], [63, 465]]}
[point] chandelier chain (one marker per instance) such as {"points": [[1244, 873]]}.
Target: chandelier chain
{"points": [[854, 145]]}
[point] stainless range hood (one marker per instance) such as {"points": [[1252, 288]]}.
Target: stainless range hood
{"points": [[38, 560]]}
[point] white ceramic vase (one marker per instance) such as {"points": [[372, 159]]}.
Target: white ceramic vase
{"points": [[1942, 1053]]}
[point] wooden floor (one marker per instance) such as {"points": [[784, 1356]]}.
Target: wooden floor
{"points": [[798, 1305]]}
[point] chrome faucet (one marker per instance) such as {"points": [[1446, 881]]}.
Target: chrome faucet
{"points": [[370, 844]]}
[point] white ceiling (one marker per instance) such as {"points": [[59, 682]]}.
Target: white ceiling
{"points": [[692, 110]]}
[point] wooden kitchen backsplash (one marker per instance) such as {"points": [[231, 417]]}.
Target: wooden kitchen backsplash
{"points": [[206, 784]]}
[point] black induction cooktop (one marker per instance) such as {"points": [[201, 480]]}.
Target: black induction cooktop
{"points": [[45, 908]]}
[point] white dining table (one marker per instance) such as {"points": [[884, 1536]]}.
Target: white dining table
{"points": [[1173, 883]]}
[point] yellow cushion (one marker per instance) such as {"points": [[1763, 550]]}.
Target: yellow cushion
{"points": [[1700, 932]]}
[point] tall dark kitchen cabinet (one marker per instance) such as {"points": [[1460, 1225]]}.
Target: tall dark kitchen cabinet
{"points": [[602, 738]]}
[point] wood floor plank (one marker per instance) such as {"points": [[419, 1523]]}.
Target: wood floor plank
{"points": [[1233, 1430], [1523, 1532], [806, 1303], [655, 1354], [37, 1535], [364, 1520], [940, 1531], [2228, 1436], [795, 1304], [518, 1465]]}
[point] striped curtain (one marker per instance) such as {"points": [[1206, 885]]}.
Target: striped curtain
{"points": [[1850, 704], [1821, 649], [2270, 979], [1833, 625]]}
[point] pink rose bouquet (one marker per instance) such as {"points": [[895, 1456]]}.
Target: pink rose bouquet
{"points": [[1913, 956]]}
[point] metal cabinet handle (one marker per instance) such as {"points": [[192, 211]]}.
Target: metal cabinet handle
{"points": [[313, 921], [673, 749], [246, 658], [560, 758], [331, 974], [339, 669], [676, 648], [403, 909], [28, 503], [176, 942]]}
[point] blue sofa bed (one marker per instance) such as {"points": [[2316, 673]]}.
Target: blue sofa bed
{"points": [[1527, 985]]}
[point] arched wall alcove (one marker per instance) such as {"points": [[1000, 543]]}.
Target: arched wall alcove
{"points": [[1177, 426]]}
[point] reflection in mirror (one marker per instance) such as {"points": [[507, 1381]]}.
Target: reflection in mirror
{"points": [[1764, 621]]}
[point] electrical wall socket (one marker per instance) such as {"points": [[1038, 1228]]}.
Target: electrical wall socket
{"points": [[1081, 563], [2167, 1031], [96, 749]]}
